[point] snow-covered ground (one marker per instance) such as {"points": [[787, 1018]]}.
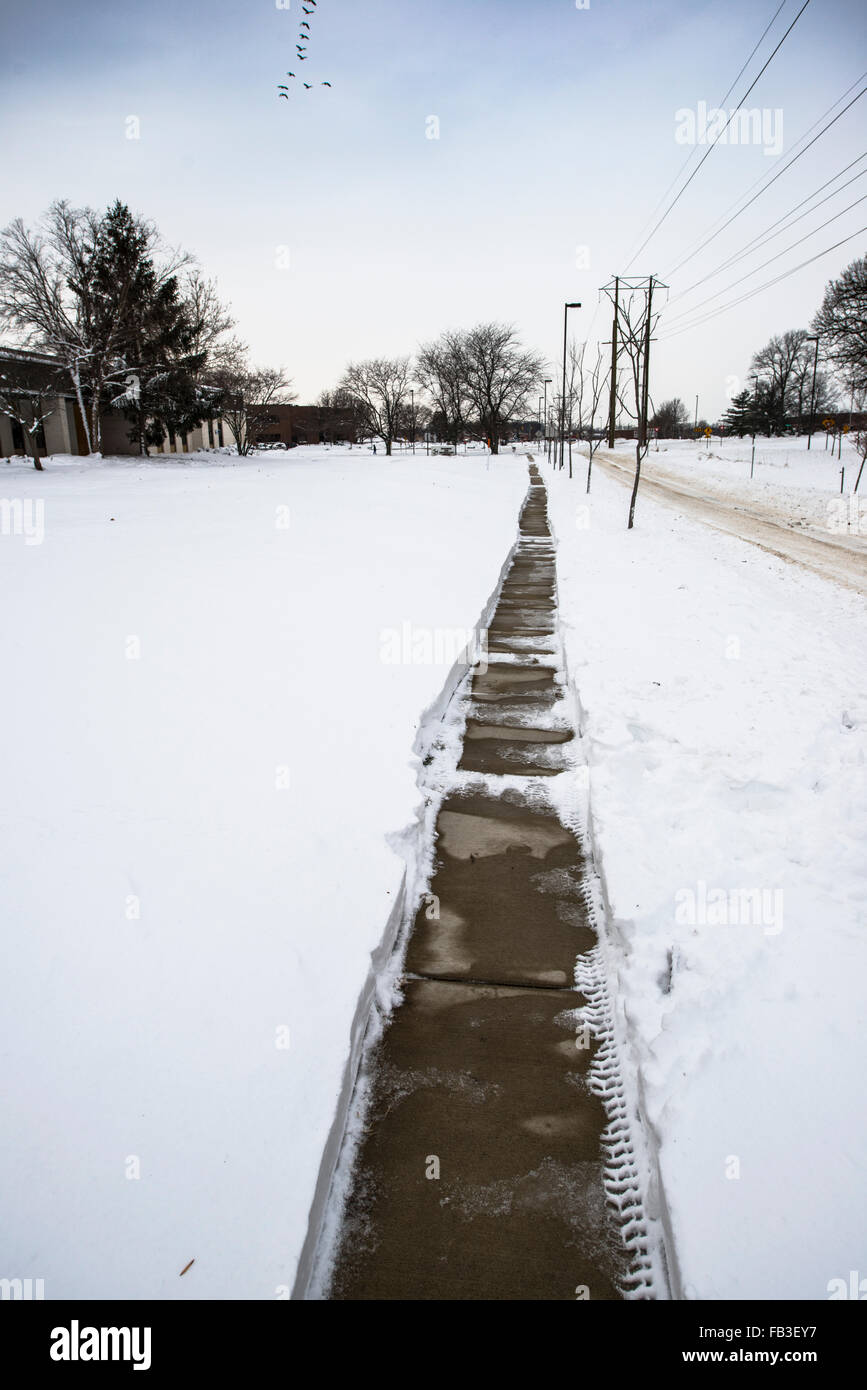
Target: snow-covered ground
{"points": [[724, 698], [790, 482], [215, 672]]}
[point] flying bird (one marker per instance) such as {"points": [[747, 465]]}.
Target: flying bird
{"points": [[290, 74], [308, 85], [283, 94], [304, 24], [326, 84]]}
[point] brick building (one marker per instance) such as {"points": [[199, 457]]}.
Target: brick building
{"points": [[306, 424]]}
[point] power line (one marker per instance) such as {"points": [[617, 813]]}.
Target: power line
{"points": [[769, 235], [685, 313], [750, 294], [763, 237], [712, 146], [800, 140], [771, 181], [694, 151]]}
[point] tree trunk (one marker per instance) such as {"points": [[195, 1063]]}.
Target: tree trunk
{"points": [[634, 488], [33, 431], [388, 447], [76, 379], [95, 429]]}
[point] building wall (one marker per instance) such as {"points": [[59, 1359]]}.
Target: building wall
{"points": [[58, 427], [304, 424]]}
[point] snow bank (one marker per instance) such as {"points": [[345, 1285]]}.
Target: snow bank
{"points": [[724, 698], [790, 482], [207, 746]]}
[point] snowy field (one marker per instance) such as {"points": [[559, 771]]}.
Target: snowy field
{"points": [[790, 482], [215, 674], [217, 670], [724, 698]]}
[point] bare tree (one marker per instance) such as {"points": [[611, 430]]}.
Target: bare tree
{"points": [[55, 295], [441, 371], [26, 380], [36, 299], [842, 324], [596, 389], [636, 322], [670, 418], [380, 387], [573, 408], [777, 364], [501, 376], [247, 394], [339, 406], [209, 318]]}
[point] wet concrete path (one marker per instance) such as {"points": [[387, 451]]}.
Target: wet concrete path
{"points": [[480, 1173]]}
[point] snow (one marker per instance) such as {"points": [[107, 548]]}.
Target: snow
{"points": [[209, 768], [724, 715], [789, 481], [211, 802]]}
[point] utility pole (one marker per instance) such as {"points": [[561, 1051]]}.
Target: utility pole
{"points": [[645, 390], [566, 309], [612, 406], [813, 391], [695, 421]]}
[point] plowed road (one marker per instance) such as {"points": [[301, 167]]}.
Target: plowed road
{"points": [[839, 557]]}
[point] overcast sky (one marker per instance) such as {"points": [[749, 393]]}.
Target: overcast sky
{"points": [[337, 229]]}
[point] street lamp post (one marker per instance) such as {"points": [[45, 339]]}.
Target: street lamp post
{"points": [[566, 308], [813, 339], [546, 383]]}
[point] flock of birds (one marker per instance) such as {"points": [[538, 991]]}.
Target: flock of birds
{"points": [[301, 53]]}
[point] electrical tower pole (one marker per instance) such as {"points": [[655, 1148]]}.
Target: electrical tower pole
{"points": [[641, 448], [635, 334], [646, 384], [612, 406]]}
